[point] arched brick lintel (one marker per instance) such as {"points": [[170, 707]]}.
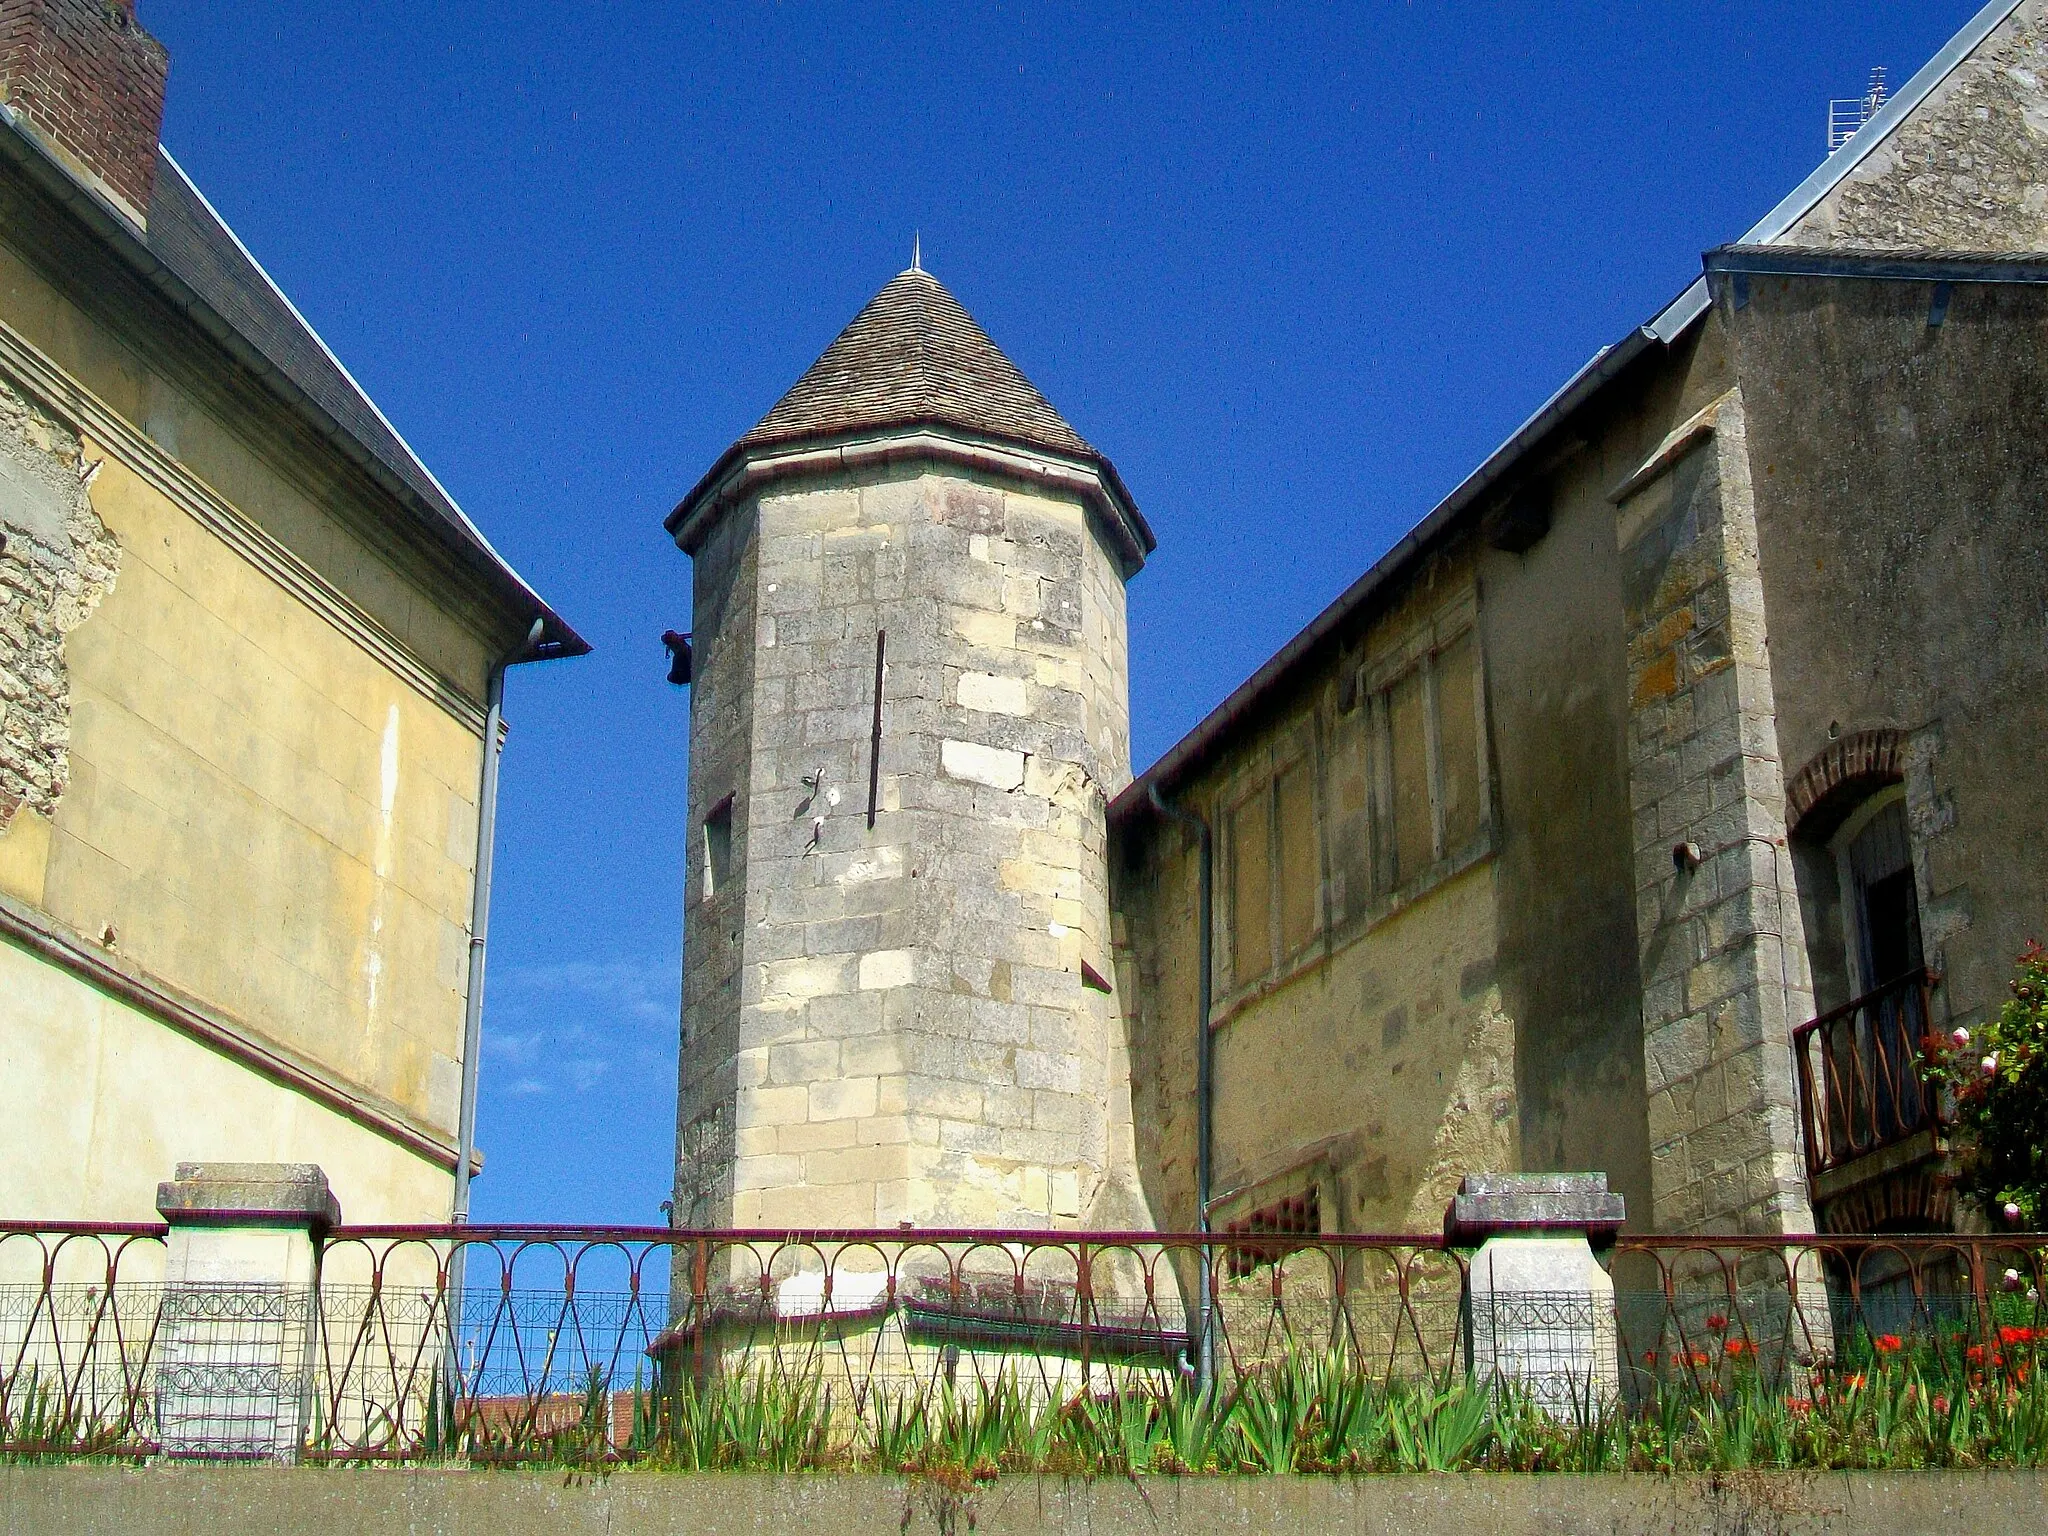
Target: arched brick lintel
{"points": [[1868, 756], [1910, 1199]]}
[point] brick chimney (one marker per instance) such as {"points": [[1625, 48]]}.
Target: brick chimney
{"points": [[88, 82]]}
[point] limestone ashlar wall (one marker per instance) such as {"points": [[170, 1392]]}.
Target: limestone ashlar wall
{"points": [[915, 1039], [1558, 696], [1904, 564], [722, 692]]}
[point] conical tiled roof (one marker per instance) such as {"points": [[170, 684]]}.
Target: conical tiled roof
{"points": [[913, 372], [914, 355]]}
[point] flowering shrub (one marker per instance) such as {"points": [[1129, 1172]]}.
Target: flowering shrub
{"points": [[1998, 1077]]}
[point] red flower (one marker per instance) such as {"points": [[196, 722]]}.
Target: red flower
{"points": [[1649, 1357], [1734, 1347], [1699, 1357], [1888, 1344], [2011, 1335], [1799, 1404], [1717, 1322]]}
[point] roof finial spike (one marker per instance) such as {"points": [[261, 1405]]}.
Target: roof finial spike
{"points": [[916, 253]]}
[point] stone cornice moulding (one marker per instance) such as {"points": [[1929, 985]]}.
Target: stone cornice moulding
{"points": [[37, 374], [753, 469], [113, 974]]}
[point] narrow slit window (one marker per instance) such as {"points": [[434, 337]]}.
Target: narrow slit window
{"points": [[718, 848]]}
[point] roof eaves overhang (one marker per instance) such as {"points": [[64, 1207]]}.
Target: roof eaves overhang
{"points": [[745, 467], [1578, 391], [19, 147]]}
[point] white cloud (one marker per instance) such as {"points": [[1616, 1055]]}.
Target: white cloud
{"points": [[565, 1024]]}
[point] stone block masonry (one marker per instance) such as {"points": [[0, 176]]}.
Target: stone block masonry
{"points": [[888, 1023], [1723, 953], [57, 561]]}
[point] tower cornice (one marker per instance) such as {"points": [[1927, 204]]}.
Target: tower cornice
{"points": [[747, 467]]}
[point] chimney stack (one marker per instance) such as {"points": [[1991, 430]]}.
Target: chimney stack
{"points": [[86, 80]]}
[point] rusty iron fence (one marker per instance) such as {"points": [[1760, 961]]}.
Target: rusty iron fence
{"points": [[1863, 1083], [499, 1342]]}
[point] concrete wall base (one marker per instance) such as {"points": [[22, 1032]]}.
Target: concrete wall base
{"points": [[226, 1501]]}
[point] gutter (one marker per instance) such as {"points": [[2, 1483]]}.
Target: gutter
{"points": [[480, 919], [1205, 1067], [1883, 266]]}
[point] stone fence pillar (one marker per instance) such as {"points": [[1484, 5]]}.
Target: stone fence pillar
{"points": [[236, 1331], [1539, 1309]]}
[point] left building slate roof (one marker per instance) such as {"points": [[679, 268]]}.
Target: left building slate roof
{"points": [[196, 245], [189, 253]]}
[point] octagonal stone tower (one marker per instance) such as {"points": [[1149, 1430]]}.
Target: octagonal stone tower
{"points": [[910, 709]]}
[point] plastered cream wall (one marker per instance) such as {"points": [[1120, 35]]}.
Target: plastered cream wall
{"points": [[104, 1100], [265, 806]]}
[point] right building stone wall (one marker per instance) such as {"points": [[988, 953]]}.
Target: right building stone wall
{"points": [[1903, 558]]}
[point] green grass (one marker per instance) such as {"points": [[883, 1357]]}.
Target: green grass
{"points": [[1890, 1404], [1317, 1414]]}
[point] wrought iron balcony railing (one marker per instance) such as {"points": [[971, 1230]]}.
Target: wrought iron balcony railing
{"points": [[1863, 1082]]}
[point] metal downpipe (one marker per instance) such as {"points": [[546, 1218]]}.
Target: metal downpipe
{"points": [[1205, 1056], [479, 934]]}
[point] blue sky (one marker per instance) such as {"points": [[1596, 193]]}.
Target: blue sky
{"points": [[1297, 270]]}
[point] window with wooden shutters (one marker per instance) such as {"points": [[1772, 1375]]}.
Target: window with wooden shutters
{"points": [[1300, 864], [1455, 670], [1276, 872], [1413, 839], [1427, 738]]}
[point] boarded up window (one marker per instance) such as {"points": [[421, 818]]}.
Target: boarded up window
{"points": [[1350, 813], [1301, 862], [1414, 832], [1251, 888], [1457, 711]]}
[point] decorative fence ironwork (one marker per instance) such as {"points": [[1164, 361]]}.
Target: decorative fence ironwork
{"points": [[1862, 1075], [508, 1343]]}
